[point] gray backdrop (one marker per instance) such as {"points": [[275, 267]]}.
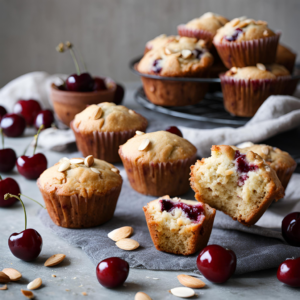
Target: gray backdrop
{"points": [[111, 32]]}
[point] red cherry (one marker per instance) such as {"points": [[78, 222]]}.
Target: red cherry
{"points": [[112, 272], [44, 117], [80, 83], [289, 272], [7, 159], [99, 84], [8, 185], [119, 94], [31, 167], [2, 111], [290, 228], [13, 125], [174, 130], [216, 263], [28, 109]]}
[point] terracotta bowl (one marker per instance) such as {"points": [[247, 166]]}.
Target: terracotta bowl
{"points": [[67, 104]]}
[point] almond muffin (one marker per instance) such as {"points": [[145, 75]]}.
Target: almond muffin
{"points": [[179, 226], [285, 57], [158, 42], [80, 193], [245, 42], [100, 129], [158, 163], [240, 185]]}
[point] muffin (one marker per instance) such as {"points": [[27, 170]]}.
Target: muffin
{"points": [[184, 57], [280, 161], [245, 42], [80, 193], [204, 27], [245, 89], [285, 57], [158, 163], [100, 129], [240, 185], [179, 226], [158, 42]]}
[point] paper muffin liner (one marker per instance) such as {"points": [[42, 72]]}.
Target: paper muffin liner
{"points": [[195, 33], [103, 145], [75, 211], [248, 53], [159, 179], [243, 97]]}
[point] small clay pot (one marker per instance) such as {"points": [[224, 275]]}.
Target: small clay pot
{"points": [[67, 104]]}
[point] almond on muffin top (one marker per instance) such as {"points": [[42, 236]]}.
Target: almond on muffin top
{"points": [[159, 41]]}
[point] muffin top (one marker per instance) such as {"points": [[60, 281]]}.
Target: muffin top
{"points": [[159, 41], [242, 29], [182, 56], [209, 22], [283, 54], [157, 147], [259, 72], [108, 117]]}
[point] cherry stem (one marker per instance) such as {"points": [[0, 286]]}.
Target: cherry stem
{"points": [[37, 137], [75, 61], [27, 148], [2, 137], [82, 60], [33, 200], [8, 196]]}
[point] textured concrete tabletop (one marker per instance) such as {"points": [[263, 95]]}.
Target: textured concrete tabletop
{"points": [[77, 274]]}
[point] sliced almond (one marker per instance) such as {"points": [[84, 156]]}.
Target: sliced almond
{"points": [[228, 172], [28, 294], [35, 284], [120, 233], [168, 51], [98, 113], [89, 161], [63, 159], [84, 293], [142, 296], [76, 161], [4, 278], [235, 22], [115, 170], [190, 281], [139, 132], [233, 70], [4, 287], [64, 166], [131, 111], [265, 150], [54, 260], [145, 143], [13, 274], [186, 53], [266, 33], [182, 292], [95, 170], [127, 244], [261, 67]]}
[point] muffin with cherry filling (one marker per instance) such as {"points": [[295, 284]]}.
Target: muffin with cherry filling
{"points": [[158, 163], [245, 42], [182, 57], [100, 129], [245, 89], [285, 57], [240, 185], [179, 226]]}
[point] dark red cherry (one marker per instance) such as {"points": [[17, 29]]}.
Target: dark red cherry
{"points": [[28, 109], [31, 167], [8, 185], [290, 228], [119, 94], [7, 159], [174, 130], [112, 272], [234, 36], [44, 117], [289, 272], [157, 66], [216, 263], [80, 83], [2, 111], [99, 84], [13, 125]]}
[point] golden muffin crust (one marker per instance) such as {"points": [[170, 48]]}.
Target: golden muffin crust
{"points": [[79, 179], [209, 21], [108, 117], [182, 56], [283, 54], [159, 41], [242, 29], [162, 146]]}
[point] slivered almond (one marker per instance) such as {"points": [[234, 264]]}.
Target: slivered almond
{"points": [[54, 260], [266, 33], [182, 292], [4, 287], [139, 132], [115, 170], [13, 274], [127, 244], [168, 51], [145, 143], [261, 67], [89, 161], [190, 281], [4, 278], [28, 294], [265, 150], [95, 170], [98, 113], [64, 166], [120, 233], [63, 159], [142, 296], [228, 172], [76, 161], [35, 284], [235, 22], [186, 53], [131, 111]]}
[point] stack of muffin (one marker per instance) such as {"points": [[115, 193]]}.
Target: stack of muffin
{"points": [[206, 47]]}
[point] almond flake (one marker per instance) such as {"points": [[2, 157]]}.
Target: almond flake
{"points": [[75, 161], [265, 150], [168, 51], [233, 70], [89, 161], [266, 33], [127, 244], [63, 159], [98, 113], [28, 294], [53, 275], [139, 132], [144, 144], [35, 284], [64, 166], [227, 172], [186, 53], [190, 281], [120, 233], [131, 111], [95, 170], [54, 260], [115, 170], [261, 67], [84, 293], [235, 22], [4, 287], [13, 274], [182, 292], [142, 296], [4, 278]]}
